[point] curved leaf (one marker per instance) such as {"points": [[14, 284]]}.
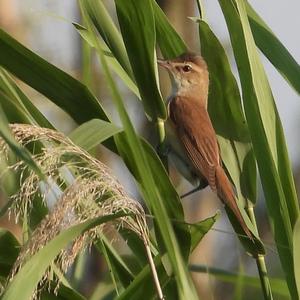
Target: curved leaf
{"points": [[16, 104], [63, 293], [116, 264], [137, 25], [266, 134], [9, 250], [199, 230], [273, 49], [297, 254], [89, 37], [92, 133], [101, 19], [278, 286], [19, 150], [62, 89], [169, 41]]}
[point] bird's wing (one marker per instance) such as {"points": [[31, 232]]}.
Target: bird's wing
{"points": [[197, 135]]}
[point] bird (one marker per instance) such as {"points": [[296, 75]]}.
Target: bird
{"points": [[191, 139]]}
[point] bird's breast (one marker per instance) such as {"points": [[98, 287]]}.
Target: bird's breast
{"points": [[177, 154]]}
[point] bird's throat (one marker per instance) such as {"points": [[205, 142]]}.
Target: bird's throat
{"points": [[187, 91]]}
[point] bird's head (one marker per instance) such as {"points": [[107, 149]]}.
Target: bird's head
{"points": [[189, 74]]}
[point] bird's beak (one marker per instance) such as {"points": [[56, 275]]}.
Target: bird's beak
{"points": [[164, 63]]}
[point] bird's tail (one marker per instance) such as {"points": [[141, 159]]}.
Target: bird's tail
{"points": [[226, 193]]}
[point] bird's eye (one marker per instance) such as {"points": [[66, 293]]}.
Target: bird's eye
{"points": [[186, 68]]}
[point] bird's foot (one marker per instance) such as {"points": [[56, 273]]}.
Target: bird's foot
{"points": [[163, 149]]}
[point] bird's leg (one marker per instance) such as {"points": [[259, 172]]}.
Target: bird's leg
{"points": [[163, 149], [196, 189], [202, 184]]}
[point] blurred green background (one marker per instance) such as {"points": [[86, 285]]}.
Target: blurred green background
{"points": [[46, 28]]}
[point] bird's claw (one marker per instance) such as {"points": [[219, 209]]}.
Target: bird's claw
{"points": [[163, 149]]}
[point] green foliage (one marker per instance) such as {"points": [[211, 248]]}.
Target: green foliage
{"points": [[91, 133], [14, 146], [279, 286], [36, 266], [266, 134], [233, 137], [249, 134], [9, 250], [296, 249], [168, 40], [140, 46], [273, 49], [130, 147], [55, 84]]}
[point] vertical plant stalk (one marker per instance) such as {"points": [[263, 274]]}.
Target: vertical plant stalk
{"points": [[79, 265], [200, 9], [160, 124], [86, 61], [263, 275], [86, 53], [109, 265], [260, 260], [153, 270]]}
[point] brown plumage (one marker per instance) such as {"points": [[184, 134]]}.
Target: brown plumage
{"points": [[190, 123]]}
